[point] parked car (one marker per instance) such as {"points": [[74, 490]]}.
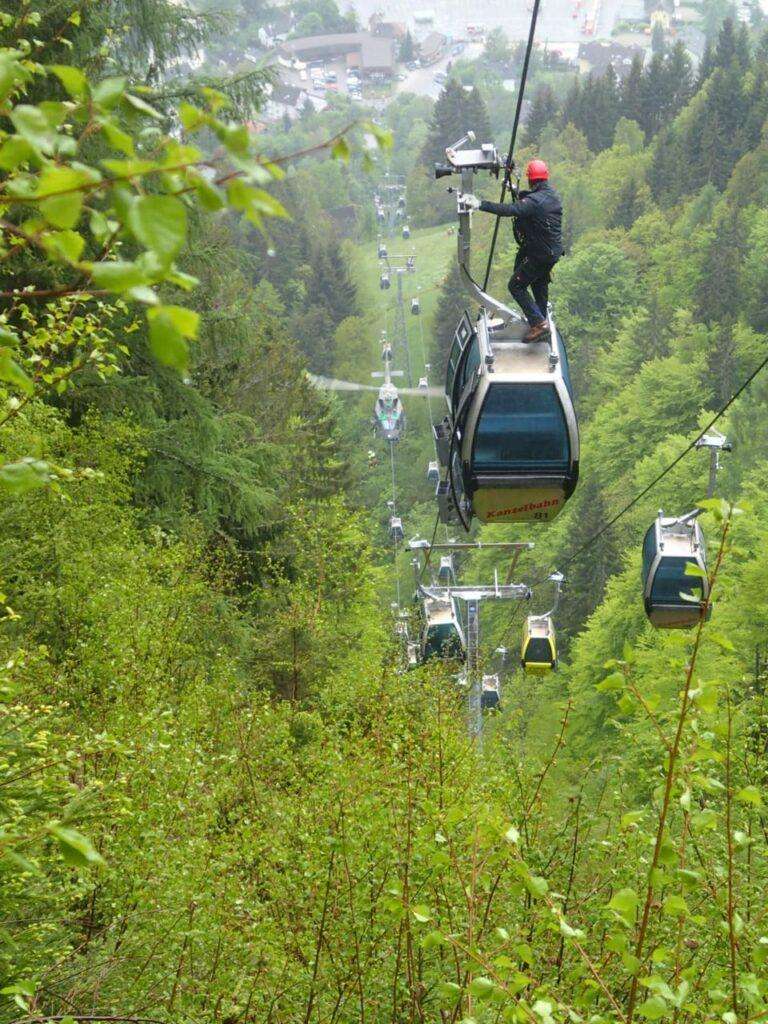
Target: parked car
{"points": [[440, 78], [331, 76]]}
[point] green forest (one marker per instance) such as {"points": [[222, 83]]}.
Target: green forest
{"points": [[223, 797]]}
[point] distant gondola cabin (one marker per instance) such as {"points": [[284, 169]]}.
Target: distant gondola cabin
{"points": [[674, 595], [539, 650]]}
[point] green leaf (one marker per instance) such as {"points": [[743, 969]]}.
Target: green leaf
{"points": [[481, 987], [614, 683], [12, 373], [20, 988], [236, 138], [12, 72], [169, 326], [65, 245], [73, 80], [25, 475], [524, 953], [341, 150], [569, 932], [116, 275], [624, 903], [706, 819], [652, 1009], [107, 93], [543, 1010], [433, 939], [160, 224], [8, 336], [134, 167], [383, 137], [33, 126], [117, 138], [254, 201], [421, 912], [63, 211], [616, 942], [631, 818], [210, 198], [13, 152], [185, 281], [631, 963], [750, 795], [16, 862], [76, 849], [536, 885], [675, 906], [143, 293], [217, 100], [142, 106], [692, 569], [689, 878], [448, 992], [191, 118]]}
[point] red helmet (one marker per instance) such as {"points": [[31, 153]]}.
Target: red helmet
{"points": [[537, 170]]}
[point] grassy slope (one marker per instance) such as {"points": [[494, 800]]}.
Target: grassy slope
{"points": [[433, 250]]}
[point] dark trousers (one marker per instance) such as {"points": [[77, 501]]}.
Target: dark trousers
{"points": [[534, 274]]}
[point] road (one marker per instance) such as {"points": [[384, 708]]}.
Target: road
{"points": [[421, 81]]}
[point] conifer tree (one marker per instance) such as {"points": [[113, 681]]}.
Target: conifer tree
{"points": [[542, 113], [706, 65], [407, 50], [664, 173], [631, 92], [629, 205], [456, 110], [450, 305], [658, 44], [726, 47]]}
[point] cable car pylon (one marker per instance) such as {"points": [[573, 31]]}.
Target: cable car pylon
{"points": [[471, 596]]}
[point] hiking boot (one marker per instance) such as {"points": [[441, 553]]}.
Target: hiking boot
{"points": [[538, 332]]}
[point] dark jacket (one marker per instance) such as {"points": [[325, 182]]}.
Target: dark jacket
{"points": [[538, 221]]}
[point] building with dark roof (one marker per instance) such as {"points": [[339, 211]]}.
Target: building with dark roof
{"points": [[285, 100], [371, 54], [599, 54]]}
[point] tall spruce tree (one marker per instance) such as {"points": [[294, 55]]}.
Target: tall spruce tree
{"points": [[456, 110], [629, 205], [542, 113], [706, 65], [631, 92]]}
